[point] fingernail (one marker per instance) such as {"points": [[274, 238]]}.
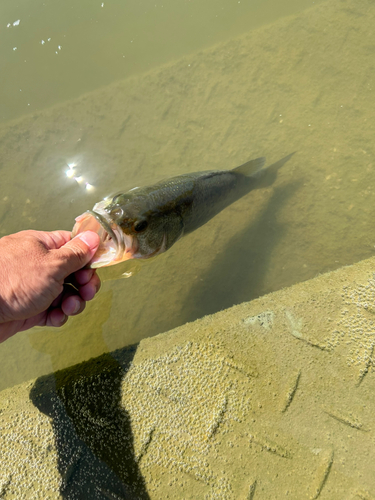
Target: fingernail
{"points": [[91, 239], [76, 308], [63, 320]]}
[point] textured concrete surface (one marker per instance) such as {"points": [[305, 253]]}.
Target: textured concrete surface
{"points": [[268, 399]]}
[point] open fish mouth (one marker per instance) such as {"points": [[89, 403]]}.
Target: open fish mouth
{"points": [[115, 246]]}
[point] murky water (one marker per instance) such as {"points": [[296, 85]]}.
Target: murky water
{"points": [[303, 83], [53, 50], [97, 97], [191, 113]]}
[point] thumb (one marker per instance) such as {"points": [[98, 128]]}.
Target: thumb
{"points": [[78, 252]]}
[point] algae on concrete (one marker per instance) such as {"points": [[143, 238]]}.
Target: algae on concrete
{"points": [[268, 399]]}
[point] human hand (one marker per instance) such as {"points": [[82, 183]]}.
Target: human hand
{"points": [[41, 278]]}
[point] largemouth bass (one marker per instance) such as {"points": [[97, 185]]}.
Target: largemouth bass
{"points": [[145, 222]]}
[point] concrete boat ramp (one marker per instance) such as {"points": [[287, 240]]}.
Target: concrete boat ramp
{"points": [[272, 398]]}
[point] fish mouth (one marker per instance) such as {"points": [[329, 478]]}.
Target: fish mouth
{"points": [[115, 246]]}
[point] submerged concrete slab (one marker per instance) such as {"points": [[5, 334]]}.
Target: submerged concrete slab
{"points": [[273, 398], [210, 110]]}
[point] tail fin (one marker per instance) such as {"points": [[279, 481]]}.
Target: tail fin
{"points": [[267, 175], [250, 167]]}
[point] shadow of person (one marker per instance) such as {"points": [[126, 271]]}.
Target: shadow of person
{"points": [[93, 435], [236, 274], [83, 334]]}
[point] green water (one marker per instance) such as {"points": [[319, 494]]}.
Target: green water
{"points": [[302, 83], [188, 112], [130, 93], [61, 49]]}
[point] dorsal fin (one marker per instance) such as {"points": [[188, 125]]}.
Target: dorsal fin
{"points": [[272, 168], [266, 176], [250, 167]]}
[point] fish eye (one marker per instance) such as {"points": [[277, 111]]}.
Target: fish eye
{"points": [[140, 225]]}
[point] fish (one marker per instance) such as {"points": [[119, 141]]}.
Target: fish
{"points": [[147, 221]]}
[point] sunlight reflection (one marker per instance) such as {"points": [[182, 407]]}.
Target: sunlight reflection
{"points": [[72, 173]]}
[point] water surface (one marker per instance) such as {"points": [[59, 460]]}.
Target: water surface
{"points": [[53, 50], [138, 92], [208, 106], [303, 83]]}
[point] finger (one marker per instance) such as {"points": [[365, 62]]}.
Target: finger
{"points": [[76, 253], [73, 301], [80, 277], [72, 305], [68, 289], [83, 276], [54, 239], [70, 301], [56, 318], [57, 301], [61, 237], [88, 291]]}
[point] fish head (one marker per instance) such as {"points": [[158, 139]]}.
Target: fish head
{"points": [[128, 229]]}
